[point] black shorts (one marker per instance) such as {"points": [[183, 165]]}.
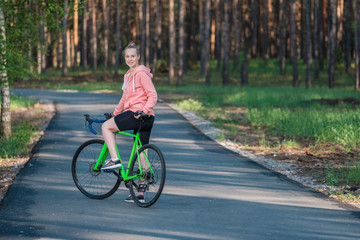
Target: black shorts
{"points": [[126, 121]]}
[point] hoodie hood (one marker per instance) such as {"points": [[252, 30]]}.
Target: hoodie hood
{"points": [[140, 68]]}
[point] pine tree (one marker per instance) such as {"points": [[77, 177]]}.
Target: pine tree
{"points": [[293, 42]]}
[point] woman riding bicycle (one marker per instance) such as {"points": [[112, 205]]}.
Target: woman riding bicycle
{"points": [[139, 96]]}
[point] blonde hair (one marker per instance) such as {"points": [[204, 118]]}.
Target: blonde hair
{"points": [[132, 45]]}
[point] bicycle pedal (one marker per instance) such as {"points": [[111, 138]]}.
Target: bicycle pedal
{"points": [[142, 188], [108, 170]]}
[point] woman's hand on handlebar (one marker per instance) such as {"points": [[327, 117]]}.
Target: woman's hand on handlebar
{"points": [[139, 114], [108, 115]]}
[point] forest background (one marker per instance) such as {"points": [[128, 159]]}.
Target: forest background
{"points": [[279, 74]]}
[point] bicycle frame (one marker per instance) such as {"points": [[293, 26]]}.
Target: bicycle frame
{"points": [[144, 174], [124, 173]]}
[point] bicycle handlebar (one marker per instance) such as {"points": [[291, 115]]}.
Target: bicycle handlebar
{"points": [[91, 121]]}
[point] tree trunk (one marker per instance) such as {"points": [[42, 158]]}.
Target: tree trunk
{"points": [[43, 45], [293, 42], [194, 33], [76, 32], [137, 22], [93, 41], [316, 39], [226, 43], [143, 32], [71, 47], [308, 43], [50, 46], [157, 33], [332, 40], [58, 55], [339, 23], [84, 37], [283, 38], [254, 19], [129, 18], [303, 33], [172, 42], [201, 35], [186, 35], [277, 27], [38, 47], [64, 40], [207, 42], [321, 35], [357, 43], [237, 26], [4, 84], [31, 67], [347, 36], [181, 41], [244, 66], [266, 18], [68, 48], [148, 35], [213, 37], [218, 33], [106, 34], [118, 39], [30, 42]]}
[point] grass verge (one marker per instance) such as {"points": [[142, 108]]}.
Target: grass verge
{"points": [[22, 130]]}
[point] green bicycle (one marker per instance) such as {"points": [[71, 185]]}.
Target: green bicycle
{"points": [[145, 171]]}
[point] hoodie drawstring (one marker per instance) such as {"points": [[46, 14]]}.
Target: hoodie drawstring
{"points": [[125, 85]]}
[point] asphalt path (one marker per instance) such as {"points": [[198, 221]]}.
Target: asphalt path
{"points": [[210, 192]]}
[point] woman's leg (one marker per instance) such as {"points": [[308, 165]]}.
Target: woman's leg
{"points": [[121, 122], [144, 138], [108, 129]]}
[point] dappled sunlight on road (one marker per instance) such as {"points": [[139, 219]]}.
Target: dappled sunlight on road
{"points": [[241, 186]]}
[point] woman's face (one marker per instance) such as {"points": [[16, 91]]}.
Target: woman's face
{"points": [[131, 57]]}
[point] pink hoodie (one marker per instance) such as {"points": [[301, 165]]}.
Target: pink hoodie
{"points": [[139, 93]]}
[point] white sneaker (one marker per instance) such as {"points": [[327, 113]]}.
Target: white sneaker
{"points": [[111, 165], [129, 199]]}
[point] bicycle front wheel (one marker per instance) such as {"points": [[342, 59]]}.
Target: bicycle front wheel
{"points": [[147, 189], [92, 183]]}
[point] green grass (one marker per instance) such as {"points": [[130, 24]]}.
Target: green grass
{"points": [[21, 132], [260, 97], [20, 101], [286, 111], [349, 174], [345, 195], [336, 126], [191, 105], [18, 141]]}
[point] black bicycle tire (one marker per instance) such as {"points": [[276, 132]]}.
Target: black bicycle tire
{"points": [[75, 177], [163, 176]]}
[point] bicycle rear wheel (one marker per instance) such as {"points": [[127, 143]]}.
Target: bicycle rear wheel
{"points": [[93, 184], [150, 182]]}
